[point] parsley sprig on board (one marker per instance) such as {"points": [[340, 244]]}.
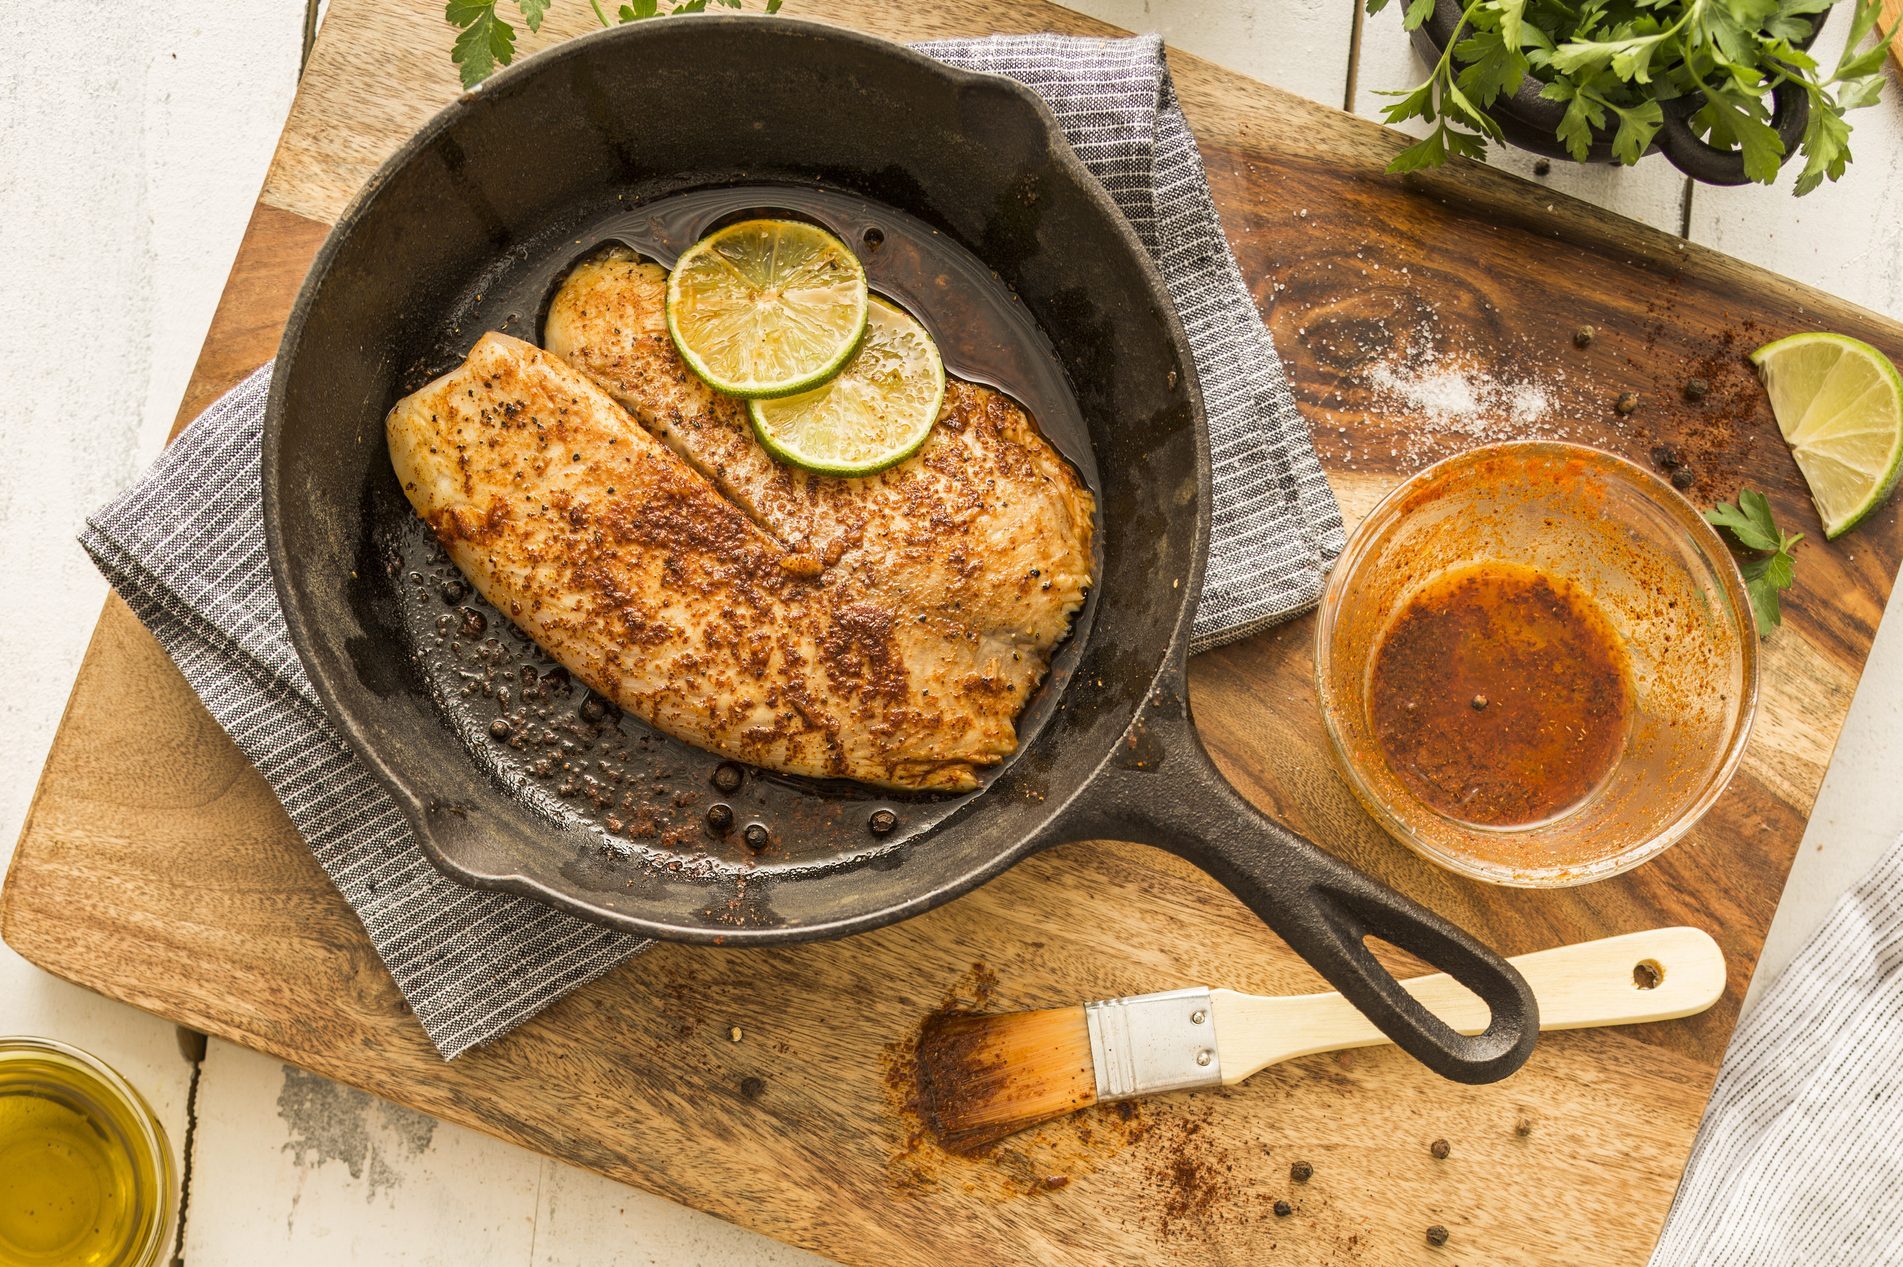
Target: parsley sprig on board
{"points": [[1771, 570], [1613, 61], [486, 42]]}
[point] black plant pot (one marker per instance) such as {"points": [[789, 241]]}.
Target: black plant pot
{"points": [[1531, 122]]}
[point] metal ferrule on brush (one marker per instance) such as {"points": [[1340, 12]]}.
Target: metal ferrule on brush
{"points": [[1153, 1042]]}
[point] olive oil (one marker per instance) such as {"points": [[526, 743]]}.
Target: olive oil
{"points": [[85, 1173]]}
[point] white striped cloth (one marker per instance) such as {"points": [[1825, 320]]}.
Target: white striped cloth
{"points": [[185, 547], [1799, 1161]]}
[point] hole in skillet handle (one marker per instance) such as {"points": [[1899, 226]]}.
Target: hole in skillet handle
{"points": [[1344, 908]]}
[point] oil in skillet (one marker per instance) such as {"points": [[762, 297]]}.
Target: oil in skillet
{"points": [[1501, 695], [517, 711], [985, 334]]}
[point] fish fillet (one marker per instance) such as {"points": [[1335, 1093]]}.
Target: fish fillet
{"points": [[986, 530], [628, 566]]}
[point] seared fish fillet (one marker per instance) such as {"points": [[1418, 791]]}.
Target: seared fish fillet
{"points": [[629, 567], [985, 532]]}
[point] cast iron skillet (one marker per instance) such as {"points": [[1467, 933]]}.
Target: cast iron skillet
{"points": [[662, 106]]}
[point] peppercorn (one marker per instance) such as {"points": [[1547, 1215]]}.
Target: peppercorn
{"points": [[1523, 1127], [1627, 403], [500, 728], [1665, 457], [594, 708], [455, 590], [1283, 1209], [720, 818], [1696, 389], [756, 837], [882, 822], [1543, 168], [1436, 1235], [1440, 1149], [727, 777], [1683, 478], [473, 623], [1301, 1172], [1583, 337], [753, 1088], [1479, 702]]}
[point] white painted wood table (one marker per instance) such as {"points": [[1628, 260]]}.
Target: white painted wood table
{"points": [[131, 150]]}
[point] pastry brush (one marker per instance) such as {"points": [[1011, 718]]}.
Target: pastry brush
{"points": [[982, 1077]]}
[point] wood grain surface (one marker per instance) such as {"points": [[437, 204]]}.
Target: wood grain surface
{"points": [[155, 865]]}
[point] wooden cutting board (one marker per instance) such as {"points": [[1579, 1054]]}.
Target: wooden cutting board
{"points": [[765, 1085]]}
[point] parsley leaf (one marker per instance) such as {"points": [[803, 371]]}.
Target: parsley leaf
{"points": [[1774, 569], [485, 43]]}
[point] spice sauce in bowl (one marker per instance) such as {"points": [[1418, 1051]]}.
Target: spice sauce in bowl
{"points": [[1536, 663], [1500, 695]]}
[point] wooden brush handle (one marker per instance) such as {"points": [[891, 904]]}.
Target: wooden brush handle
{"points": [[1650, 976]]}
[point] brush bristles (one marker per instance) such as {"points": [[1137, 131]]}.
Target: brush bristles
{"points": [[984, 1077]]}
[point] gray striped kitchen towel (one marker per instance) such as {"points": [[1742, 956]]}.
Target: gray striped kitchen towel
{"points": [[1800, 1157], [185, 547]]}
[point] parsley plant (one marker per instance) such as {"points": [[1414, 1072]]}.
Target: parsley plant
{"points": [[1613, 61]]}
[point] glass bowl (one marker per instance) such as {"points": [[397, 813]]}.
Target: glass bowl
{"points": [[1657, 571], [86, 1175]]}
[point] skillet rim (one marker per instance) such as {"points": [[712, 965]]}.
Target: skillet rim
{"points": [[305, 639]]}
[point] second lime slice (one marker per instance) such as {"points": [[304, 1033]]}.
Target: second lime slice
{"points": [[874, 414]]}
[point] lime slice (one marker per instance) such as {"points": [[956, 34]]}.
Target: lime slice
{"points": [[1839, 403], [875, 414], [767, 307]]}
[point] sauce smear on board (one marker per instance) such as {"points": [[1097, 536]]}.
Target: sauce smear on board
{"points": [[1500, 695]]}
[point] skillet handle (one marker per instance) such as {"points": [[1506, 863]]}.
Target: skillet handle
{"points": [[1324, 908]]}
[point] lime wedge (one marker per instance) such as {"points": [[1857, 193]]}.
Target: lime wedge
{"points": [[767, 307], [875, 414], [1839, 403]]}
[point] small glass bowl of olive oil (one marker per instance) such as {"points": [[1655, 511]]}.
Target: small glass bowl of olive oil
{"points": [[86, 1177]]}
